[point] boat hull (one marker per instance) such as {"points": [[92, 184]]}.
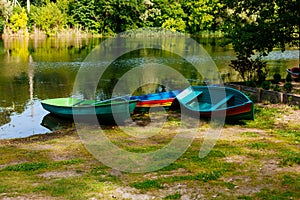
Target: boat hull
{"points": [[295, 72], [235, 106], [155, 100], [107, 112]]}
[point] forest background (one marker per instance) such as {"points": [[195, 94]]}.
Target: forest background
{"points": [[252, 27]]}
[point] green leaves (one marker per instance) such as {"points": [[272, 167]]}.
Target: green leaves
{"points": [[174, 25], [251, 26], [202, 15], [18, 21], [49, 18], [255, 28]]}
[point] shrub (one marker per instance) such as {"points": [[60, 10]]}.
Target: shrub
{"points": [[18, 21], [276, 88], [250, 84], [265, 85], [174, 24], [48, 18], [288, 87], [276, 78], [249, 68], [289, 78]]}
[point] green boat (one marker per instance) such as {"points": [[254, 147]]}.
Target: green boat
{"points": [[108, 111], [216, 101]]}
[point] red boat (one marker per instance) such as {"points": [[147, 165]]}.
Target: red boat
{"points": [[295, 72]]}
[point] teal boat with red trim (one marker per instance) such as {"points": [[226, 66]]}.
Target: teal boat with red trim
{"points": [[216, 101], [106, 110]]}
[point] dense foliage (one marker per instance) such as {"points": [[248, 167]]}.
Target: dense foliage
{"points": [[253, 27], [107, 17], [256, 27]]}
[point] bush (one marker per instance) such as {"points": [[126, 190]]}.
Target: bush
{"points": [[18, 21], [276, 88], [266, 85], [48, 18], [174, 25], [276, 78], [289, 78], [250, 84], [288, 87], [250, 69]]}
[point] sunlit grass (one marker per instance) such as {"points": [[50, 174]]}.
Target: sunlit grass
{"points": [[259, 162], [264, 118]]}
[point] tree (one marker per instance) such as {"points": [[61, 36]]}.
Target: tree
{"points": [[6, 9], [86, 14], [256, 27], [28, 6], [150, 18], [107, 16], [125, 15], [173, 17], [49, 18], [202, 15]]}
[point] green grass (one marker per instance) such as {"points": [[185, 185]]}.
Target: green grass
{"points": [[61, 187], [290, 135], [26, 167], [244, 197], [148, 184], [173, 166], [277, 194], [236, 168], [13, 153], [290, 161], [158, 183], [258, 145], [249, 134], [40, 165], [289, 180], [173, 196], [264, 118]]}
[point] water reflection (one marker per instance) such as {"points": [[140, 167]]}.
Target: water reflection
{"points": [[54, 123], [32, 69], [35, 69], [26, 123]]}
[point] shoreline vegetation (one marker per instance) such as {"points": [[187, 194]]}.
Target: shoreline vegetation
{"points": [[78, 33], [251, 160], [105, 18], [66, 33]]}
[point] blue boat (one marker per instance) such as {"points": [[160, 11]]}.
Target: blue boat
{"points": [[160, 99]]}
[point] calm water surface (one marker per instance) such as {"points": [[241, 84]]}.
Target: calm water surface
{"points": [[32, 70]]}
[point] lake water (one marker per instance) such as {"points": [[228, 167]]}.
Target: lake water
{"points": [[36, 69]]}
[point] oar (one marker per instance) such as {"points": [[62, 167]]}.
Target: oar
{"points": [[79, 102], [108, 100]]}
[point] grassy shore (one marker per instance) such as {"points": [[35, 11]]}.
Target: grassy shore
{"points": [[257, 159]]}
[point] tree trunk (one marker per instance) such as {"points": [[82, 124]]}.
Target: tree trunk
{"points": [[28, 6]]}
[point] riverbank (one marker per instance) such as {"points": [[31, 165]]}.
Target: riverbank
{"points": [[252, 160]]}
